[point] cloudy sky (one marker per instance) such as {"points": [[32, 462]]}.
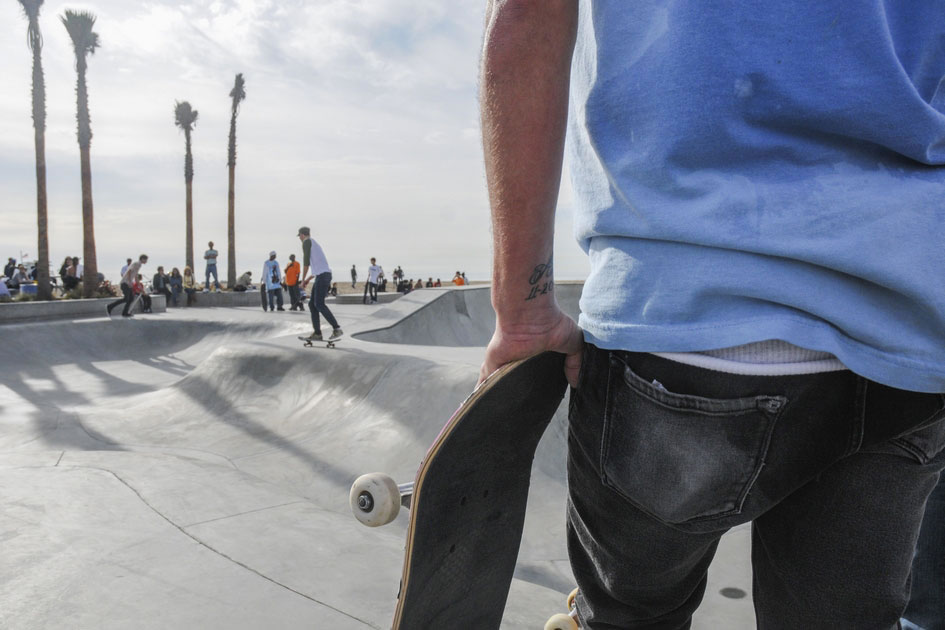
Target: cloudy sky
{"points": [[360, 121]]}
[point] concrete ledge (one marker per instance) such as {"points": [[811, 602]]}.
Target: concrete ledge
{"points": [[227, 299], [354, 298], [11, 312]]}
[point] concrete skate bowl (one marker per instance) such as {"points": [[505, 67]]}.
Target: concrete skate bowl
{"points": [[459, 318], [171, 473]]}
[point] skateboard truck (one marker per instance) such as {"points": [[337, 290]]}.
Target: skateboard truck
{"points": [[376, 499], [568, 621]]}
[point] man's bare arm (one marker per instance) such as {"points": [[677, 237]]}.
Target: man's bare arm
{"points": [[524, 81]]}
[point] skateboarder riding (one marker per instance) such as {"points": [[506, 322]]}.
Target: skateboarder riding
{"points": [[127, 287], [764, 320], [314, 259]]}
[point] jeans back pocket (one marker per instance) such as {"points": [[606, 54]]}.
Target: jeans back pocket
{"points": [[678, 457]]}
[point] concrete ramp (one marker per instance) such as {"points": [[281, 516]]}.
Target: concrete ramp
{"points": [[191, 469], [459, 318]]}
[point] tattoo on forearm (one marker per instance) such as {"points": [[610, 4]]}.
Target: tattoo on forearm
{"points": [[541, 280]]}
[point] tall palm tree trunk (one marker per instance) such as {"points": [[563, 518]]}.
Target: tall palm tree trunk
{"points": [[189, 181], [90, 274], [231, 231], [237, 94], [44, 291]]}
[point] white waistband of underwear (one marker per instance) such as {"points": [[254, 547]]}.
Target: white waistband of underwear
{"points": [[764, 358]]}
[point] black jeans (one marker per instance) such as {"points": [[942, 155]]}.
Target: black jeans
{"points": [[295, 296], [127, 299], [833, 470], [317, 302], [370, 292]]}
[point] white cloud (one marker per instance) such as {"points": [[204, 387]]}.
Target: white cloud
{"points": [[360, 120]]}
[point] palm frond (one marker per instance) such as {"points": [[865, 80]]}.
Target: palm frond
{"points": [[238, 93], [31, 9], [185, 116], [79, 25]]}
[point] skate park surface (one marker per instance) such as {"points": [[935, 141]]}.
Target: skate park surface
{"points": [[191, 469]]}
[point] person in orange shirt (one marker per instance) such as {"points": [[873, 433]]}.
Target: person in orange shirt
{"points": [[292, 272], [458, 279]]}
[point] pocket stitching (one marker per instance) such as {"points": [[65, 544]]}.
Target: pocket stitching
{"points": [[758, 461]]}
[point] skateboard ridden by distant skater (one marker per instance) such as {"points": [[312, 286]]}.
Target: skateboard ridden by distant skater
{"points": [[127, 287], [313, 259], [272, 277]]}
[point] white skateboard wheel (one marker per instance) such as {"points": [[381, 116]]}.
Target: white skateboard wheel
{"points": [[561, 622], [374, 499]]}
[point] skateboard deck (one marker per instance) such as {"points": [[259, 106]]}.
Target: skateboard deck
{"points": [[467, 503], [328, 343], [264, 296]]}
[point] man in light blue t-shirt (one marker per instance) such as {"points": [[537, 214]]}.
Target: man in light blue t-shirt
{"points": [[272, 279], [759, 189]]}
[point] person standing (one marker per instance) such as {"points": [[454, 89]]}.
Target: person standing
{"points": [[211, 257], [764, 318], [354, 276], [127, 287], [272, 276], [293, 272], [9, 268], [313, 258], [375, 271], [160, 284]]}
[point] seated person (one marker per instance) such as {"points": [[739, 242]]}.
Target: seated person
{"points": [[19, 277], [244, 282], [4, 291], [138, 289], [334, 289]]}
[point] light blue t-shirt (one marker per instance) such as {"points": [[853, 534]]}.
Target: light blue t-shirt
{"points": [[749, 170]]}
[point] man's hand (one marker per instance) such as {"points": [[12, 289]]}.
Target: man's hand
{"points": [[556, 332]]}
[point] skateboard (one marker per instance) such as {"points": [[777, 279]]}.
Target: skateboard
{"points": [[329, 343], [467, 503], [264, 296]]}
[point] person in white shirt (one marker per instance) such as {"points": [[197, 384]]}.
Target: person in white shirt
{"points": [[375, 271], [211, 257], [314, 259], [124, 267], [127, 287]]}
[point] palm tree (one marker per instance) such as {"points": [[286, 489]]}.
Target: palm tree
{"points": [[79, 24], [35, 41], [237, 94], [185, 117]]}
